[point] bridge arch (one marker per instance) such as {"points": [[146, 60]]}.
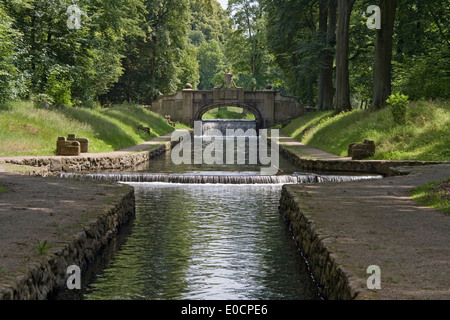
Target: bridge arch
{"points": [[188, 106], [258, 117]]}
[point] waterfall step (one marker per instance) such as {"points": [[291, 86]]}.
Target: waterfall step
{"points": [[217, 179]]}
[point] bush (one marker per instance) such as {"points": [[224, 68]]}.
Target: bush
{"points": [[42, 100], [424, 77], [59, 89], [398, 103]]}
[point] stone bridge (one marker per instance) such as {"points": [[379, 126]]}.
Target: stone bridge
{"points": [[268, 106]]}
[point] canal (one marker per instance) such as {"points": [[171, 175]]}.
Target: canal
{"points": [[208, 239]]}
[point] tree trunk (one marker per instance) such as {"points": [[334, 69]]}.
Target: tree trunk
{"points": [[328, 93], [323, 16], [342, 48], [383, 54], [327, 30]]}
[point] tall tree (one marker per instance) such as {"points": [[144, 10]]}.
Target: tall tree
{"points": [[246, 47], [10, 40], [292, 39], [71, 62], [343, 103], [211, 62], [327, 30], [158, 59], [383, 54]]}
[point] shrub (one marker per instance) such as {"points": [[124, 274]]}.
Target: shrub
{"points": [[398, 103], [59, 89], [42, 100]]}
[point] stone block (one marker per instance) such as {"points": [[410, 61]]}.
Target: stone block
{"points": [[84, 143], [55, 165], [66, 147], [360, 151]]}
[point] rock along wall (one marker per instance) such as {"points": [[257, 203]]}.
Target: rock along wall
{"points": [[50, 274]]}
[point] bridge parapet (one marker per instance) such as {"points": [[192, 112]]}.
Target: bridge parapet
{"points": [[268, 106]]}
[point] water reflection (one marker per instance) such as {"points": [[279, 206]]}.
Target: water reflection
{"points": [[206, 242]]}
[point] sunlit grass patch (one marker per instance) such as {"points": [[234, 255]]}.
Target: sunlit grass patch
{"points": [[434, 194], [27, 130], [425, 135]]}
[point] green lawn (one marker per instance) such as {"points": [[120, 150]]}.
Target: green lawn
{"points": [[235, 113], [425, 136], [26, 130], [434, 195]]}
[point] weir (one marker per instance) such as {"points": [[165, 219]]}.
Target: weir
{"points": [[224, 125], [228, 178]]}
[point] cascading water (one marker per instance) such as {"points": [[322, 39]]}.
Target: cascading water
{"points": [[218, 178], [224, 125]]}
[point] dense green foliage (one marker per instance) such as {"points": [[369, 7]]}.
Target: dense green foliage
{"points": [[134, 50], [80, 53], [421, 58]]}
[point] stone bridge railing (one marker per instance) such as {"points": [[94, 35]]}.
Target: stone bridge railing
{"points": [[269, 107]]}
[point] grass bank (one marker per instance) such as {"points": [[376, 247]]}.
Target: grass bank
{"points": [[425, 136], [27, 130], [234, 113], [434, 194]]}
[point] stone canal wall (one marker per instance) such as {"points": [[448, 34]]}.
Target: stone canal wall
{"points": [[334, 280], [53, 165], [50, 273], [383, 167], [330, 276]]}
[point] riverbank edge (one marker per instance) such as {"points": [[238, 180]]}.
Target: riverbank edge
{"points": [[45, 166], [48, 275], [387, 168], [334, 280]]}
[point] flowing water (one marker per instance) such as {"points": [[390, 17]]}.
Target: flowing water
{"points": [[206, 242], [223, 125], [205, 232]]}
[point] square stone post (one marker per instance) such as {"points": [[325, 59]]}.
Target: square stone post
{"points": [[188, 106], [269, 108]]}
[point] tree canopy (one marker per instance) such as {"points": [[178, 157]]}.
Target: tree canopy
{"points": [[89, 51]]}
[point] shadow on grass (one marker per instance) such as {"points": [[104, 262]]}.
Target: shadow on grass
{"points": [[105, 129], [298, 127], [338, 133], [136, 117]]}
